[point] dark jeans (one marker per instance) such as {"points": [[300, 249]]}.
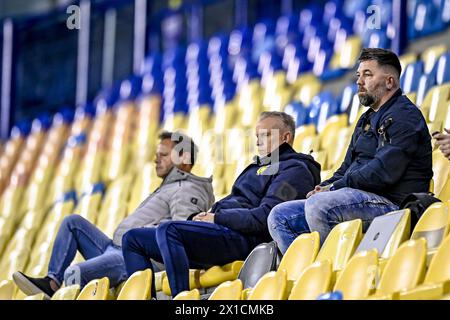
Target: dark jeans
{"points": [[181, 245]]}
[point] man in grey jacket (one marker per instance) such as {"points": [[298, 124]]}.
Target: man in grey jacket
{"points": [[180, 195]]}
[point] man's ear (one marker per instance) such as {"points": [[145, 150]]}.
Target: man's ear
{"points": [[288, 138], [390, 82], [186, 158]]}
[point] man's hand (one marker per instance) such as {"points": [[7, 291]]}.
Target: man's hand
{"points": [[318, 189], [204, 216], [443, 141]]}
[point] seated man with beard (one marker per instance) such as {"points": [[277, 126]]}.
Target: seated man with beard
{"points": [[389, 157]]}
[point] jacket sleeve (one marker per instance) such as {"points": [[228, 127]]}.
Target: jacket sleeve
{"points": [[291, 183], [390, 161], [190, 198]]}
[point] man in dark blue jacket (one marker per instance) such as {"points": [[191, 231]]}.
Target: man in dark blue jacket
{"points": [[235, 224], [388, 158]]}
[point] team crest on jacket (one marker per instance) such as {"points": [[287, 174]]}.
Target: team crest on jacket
{"points": [[261, 170]]}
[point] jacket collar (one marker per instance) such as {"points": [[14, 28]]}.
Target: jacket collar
{"points": [[376, 116], [174, 175]]}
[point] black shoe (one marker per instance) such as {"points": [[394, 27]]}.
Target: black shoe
{"points": [[31, 286]]}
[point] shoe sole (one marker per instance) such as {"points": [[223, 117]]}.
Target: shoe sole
{"points": [[26, 286]]}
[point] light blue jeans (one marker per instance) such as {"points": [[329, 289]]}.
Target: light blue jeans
{"points": [[322, 211], [103, 258]]}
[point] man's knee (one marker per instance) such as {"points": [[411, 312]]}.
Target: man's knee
{"points": [[130, 239], [166, 229], [72, 220], [72, 276], [276, 216]]}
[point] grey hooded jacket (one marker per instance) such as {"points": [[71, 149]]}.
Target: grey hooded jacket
{"points": [[180, 195]]}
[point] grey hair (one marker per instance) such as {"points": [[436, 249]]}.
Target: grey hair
{"points": [[286, 119]]}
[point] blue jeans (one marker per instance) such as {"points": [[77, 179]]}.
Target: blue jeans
{"points": [[181, 245], [103, 258], [322, 211]]}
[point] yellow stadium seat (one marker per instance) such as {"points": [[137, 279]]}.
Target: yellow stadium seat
{"points": [[437, 279], [441, 170], [314, 281], [430, 56], [407, 59], [306, 87], [310, 144], [433, 225], [337, 149], [137, 287], [272, 286], [194, 282], [229, 290], [301, 133], [359, 276], [144, 184], [433, 127], [39, 296], [67, 293], [159, 276], [95, 290], [412, 96], [320, 157], [340, 244], [6, 228], [225, 116], [300, 254], [435, 104], [7, 288], [32, 220], [401, 233], [347, 54], [88, 206], [194, 294], [404, 270], [444, 195], [218, 274]]}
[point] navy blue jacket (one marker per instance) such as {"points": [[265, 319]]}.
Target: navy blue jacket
{"points": [[260, 187], [390, 152]]}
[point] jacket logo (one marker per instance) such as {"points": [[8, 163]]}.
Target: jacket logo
{"points": [[261, 170]]}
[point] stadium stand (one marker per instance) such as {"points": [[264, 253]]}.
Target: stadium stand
{"points": [[96, 161]]}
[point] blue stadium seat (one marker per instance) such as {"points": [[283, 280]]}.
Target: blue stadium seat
{"points": [[344, 101], [410, 78], [299, 112], [426, 82], [426, 20], [322, 107], [443, 69], [130, 88]]}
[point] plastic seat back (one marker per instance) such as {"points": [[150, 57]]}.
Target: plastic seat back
{"points": [[95, 290], [341, 243], [137, 287], [272, 286], [261, 260], [359, 276], [67, 293], [432, 225], [229, 290], [439, 270], [314, 281], [300, 254], [405, 269], [194, 294]]}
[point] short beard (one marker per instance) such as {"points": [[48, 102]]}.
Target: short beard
{"points": [[366, 99]]}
